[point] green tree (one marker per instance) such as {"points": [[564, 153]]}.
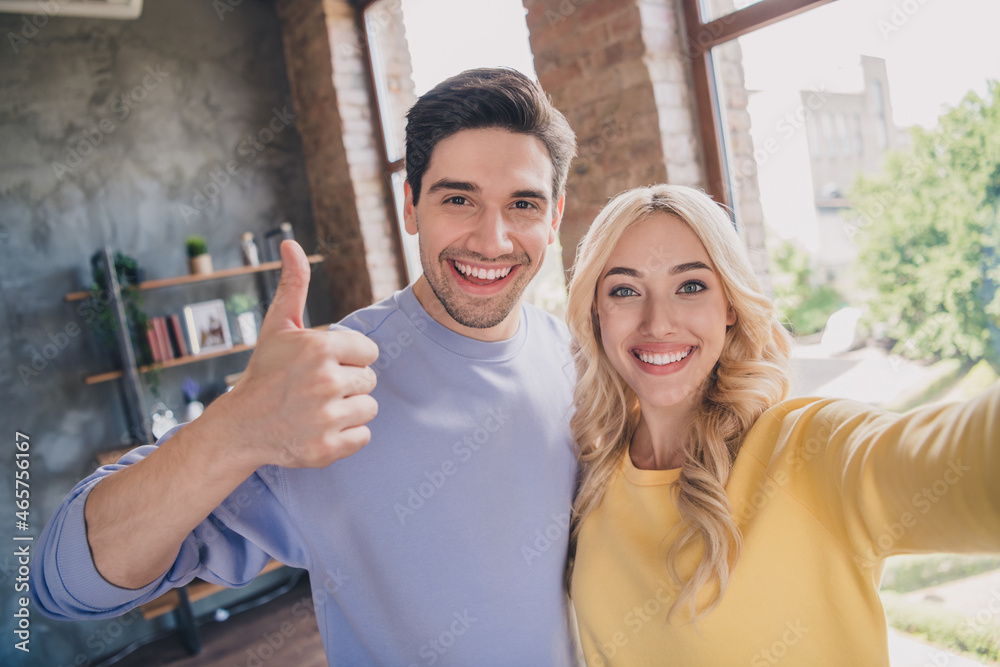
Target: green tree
{"points": [[927, 235], [802, 305]]}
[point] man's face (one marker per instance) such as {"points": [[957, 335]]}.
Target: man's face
{"points": [[485, 217]]}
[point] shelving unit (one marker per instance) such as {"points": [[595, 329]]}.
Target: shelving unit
{"points": [[130, 372], [187, 280], [178, 600], [98, 378]]}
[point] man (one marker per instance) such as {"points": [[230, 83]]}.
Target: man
{"points": [[440, 541]]}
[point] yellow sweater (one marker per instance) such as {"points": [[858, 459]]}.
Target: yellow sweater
{"points": [[822, 490]]}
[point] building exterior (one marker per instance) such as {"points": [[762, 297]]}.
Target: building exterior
{"points": [[811, 146]]}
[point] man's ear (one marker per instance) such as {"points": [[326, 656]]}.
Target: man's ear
{"points": [[409, 212], [557, 219]]}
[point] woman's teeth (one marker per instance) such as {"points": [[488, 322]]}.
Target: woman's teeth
{"points": [[663, 359], [482, 274]]}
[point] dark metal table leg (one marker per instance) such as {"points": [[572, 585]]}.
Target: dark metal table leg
{"points": [[186, 627]]}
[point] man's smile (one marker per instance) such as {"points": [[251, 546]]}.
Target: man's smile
{"points": [[483, 274]]}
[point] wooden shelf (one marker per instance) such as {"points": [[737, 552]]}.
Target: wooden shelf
{"points": [[182, 361], [169, 363], [196, 590], [187, 280]]}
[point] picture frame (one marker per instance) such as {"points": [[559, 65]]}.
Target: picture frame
{"points": [[207, 327]]}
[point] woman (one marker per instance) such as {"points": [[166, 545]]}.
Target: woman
{"points": [[716, 523]]}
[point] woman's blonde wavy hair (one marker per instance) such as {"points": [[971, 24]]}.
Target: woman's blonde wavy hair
{"points": [[750, 376]]}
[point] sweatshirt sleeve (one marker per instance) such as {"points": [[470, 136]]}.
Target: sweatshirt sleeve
{"points": [[229, 548], [888, 484]]}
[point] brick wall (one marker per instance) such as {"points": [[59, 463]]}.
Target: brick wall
{"points": [[351, 202], [620, 71], [388, 35], [589, 57], [743, 165]]}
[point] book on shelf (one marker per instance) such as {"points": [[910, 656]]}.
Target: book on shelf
{"points": [[176, 332], [168, 350], [154, 347]]}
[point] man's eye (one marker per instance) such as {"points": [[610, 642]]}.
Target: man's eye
{"points": [[524, 204], [457, 200], [623, 291]]}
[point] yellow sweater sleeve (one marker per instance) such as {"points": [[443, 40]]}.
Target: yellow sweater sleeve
{"points": [[822, 490], [888, 484]]}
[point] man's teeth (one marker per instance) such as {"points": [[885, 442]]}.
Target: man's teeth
{"points": [[482, 274], [663, 359]]}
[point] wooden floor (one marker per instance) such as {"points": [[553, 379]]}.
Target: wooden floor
{"points": [[281, 632]]}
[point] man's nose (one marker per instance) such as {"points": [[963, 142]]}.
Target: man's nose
{"points": [[491, 236]]}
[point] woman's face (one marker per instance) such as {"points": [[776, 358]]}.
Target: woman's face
{"points": [[663, 313]]}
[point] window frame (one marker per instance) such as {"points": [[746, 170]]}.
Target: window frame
{"points": [[702, 37], [389, 167]]}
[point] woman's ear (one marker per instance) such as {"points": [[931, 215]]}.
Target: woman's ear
{"points": [[731, 316]]}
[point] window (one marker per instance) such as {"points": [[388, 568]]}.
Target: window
{"points": [[714, 9], [709, 25], [406, 45], [826, 120], [843, 139], [878, 101], [862, 73], [815, 137], [859, 144]]}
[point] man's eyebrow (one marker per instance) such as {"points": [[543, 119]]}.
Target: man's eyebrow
{"points": [[445, 184], [530, 194]]}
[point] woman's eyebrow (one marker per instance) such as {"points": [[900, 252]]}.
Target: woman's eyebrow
{"points": [[633, 273], [621, 271], [689, 266]]}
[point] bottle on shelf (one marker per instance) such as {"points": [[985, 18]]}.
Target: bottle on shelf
{"points": [[251, 257]]}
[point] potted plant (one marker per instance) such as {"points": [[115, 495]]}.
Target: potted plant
{"points": [[129, 275], [244, 306], [103, 321], [199, 261]]}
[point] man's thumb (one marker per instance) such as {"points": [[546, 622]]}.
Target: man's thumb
{"points": [[290, 297]]}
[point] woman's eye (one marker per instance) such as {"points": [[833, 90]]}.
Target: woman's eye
{"points": [[692, 287], [623, 291]]}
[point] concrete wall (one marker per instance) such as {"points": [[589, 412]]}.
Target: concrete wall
{"points": [[119, 133]]}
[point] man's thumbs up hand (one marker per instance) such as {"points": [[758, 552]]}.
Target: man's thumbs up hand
{"points": [[303, 400], [290, 298]]}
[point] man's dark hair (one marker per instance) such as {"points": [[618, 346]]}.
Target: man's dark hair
{"points": [[486, 98]]}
